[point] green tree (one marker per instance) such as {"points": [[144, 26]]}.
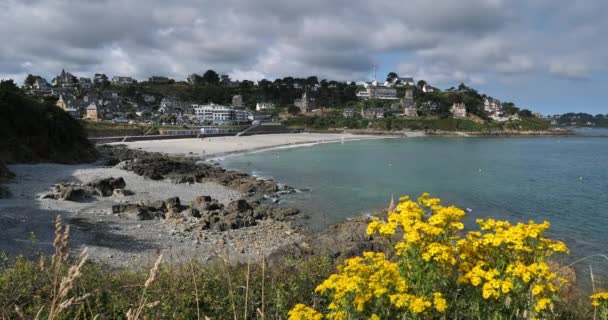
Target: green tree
{"points": [[509, 108], [29, 80], [391, 76], [525, 113], [293, 110], [211, 77]]}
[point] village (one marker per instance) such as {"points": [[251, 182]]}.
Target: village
{"points": [[120, 100]]}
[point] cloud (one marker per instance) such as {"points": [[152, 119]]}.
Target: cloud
{"points": [[443, 41]]}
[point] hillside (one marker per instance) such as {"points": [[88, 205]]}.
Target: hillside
{"points": [[31, 131]]}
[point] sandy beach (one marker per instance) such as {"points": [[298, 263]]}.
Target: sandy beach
{"points": [[218, 146], [27, 221]]}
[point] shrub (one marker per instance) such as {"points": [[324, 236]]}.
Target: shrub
{"points": [[432, 271]]}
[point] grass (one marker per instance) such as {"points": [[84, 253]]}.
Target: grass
{"points": [[60, 287], [73, 289]]}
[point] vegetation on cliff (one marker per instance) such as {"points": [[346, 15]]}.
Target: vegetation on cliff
{"points": [[424, 123], [31, 131]]}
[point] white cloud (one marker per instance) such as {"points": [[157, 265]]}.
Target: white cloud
{"points": [[445, 41]]}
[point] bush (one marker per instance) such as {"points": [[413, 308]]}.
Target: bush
{"points": [[431, 271]]}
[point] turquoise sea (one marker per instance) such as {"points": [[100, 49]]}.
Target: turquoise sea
{"points": [[563, 180]]}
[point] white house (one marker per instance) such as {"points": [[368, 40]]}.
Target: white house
{"points": [[260, 106], [219, 114], [458, 110], [118, 80], [428, 88]]}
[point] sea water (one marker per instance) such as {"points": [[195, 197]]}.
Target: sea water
{"points": [[562, 180]]}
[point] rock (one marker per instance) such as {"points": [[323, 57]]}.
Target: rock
{"points": [[124, 207], [192, 212], [121, 193], [239, 205], [283, 213], [74, 193], [173, 205], [105, 187], [157, 205]]}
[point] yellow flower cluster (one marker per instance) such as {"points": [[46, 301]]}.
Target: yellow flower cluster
{"points": [[498, 266], [599, 299], [302, 312]]}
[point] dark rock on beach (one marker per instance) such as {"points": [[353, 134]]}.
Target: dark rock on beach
{"points": [[156, 166], [105, 187]]}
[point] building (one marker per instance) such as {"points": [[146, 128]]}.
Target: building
{"points": [[492, 106], [363, 94], [94, 112], [458, 110], [68, 105], [400, 82], [372, 113], [40, 87], [219, 114], [66, 91], [261, 106], [122, 81], [428, 88], [170, 102], [375, 91], [65, 79], [237, 101], [428, 108], [409, 107], [85, 83], [148, 98], [408, 99], [242, 116], [348, 112], [306, 103], [159, 80]]}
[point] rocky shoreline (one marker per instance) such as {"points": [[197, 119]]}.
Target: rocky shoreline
{"points": [[131, 205]]}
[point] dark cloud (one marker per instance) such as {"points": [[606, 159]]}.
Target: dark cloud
{"points": [[443, 40]]}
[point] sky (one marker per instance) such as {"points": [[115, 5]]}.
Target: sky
{"points": [[550, 56]]}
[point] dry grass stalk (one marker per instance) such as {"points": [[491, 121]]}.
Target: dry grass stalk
{"points": [[62, 284], [230, 290], [198, 311], [263, 281], [247, 284], [143, 304]]}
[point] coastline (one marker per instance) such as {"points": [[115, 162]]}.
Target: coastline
{"points": [[119, 240], [216, 147]]}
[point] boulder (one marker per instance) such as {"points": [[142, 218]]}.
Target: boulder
{"points": [[283, 213], [239, 205], [157, 205], [121, 193], [105, 187], [135, 211], [192, 212], [125, 207], [68, 192], [206, 203], [173, 204]]}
